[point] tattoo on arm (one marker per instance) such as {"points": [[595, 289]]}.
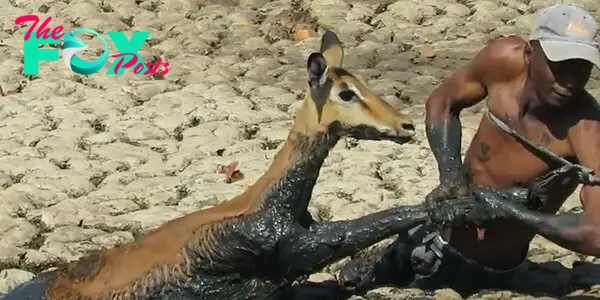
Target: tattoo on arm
{"points": [[485, 151], [545, 139]]}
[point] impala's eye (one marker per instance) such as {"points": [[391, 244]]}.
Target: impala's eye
{"points": [[347, 95]]}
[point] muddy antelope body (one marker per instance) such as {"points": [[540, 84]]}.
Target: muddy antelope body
{"points": [[255, 245]]}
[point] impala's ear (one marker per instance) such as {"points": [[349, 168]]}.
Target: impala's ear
{"points": [[320, 85], [316, 67], [331, 48]]}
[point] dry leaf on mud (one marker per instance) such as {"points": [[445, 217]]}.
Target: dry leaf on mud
{"points": [[232, 174], [427, 52], [302, 34]]}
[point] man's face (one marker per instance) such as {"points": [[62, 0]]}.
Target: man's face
{"points": [[556, 82]]}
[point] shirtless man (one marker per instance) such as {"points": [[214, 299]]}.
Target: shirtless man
{"points": [[537, 88]]}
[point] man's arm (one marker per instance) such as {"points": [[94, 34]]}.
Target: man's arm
{"points": [[580, 232], [442, 123], [575, 231], [497, 62]]}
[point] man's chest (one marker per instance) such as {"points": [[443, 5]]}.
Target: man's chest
{"points": [[500, 159]]}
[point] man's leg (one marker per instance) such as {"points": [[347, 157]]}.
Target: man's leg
{"points": [[466, 276]]}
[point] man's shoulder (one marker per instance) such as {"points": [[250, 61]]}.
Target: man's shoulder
{"points": [[502, 59], [586, 107], [508, 43], [584, 118]]}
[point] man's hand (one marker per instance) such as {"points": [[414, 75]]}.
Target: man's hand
{"points": [[446, 213], [451, 188], [483, 204], [444, 192], [492, 204]]}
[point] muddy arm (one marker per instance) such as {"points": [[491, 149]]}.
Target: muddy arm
{"points": [[462, 89], [575, 231]]}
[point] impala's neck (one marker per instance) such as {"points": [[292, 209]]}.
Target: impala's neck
{"points": [[289, 182]]}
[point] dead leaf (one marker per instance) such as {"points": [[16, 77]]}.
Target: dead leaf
{"points": [[232, 174], [427, 52], [302, 32]]}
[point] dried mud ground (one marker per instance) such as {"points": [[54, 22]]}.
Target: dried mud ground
{"points": [[92, 161]]}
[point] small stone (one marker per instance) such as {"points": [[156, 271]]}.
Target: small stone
{"points": [[447, 294], [457, 10], [321, 277]]}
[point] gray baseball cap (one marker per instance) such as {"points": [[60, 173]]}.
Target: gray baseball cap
{"points": [[566, 32]]}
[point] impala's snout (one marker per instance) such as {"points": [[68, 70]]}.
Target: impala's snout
{"points": [[392, 124], [403, 132], [407, 128]]}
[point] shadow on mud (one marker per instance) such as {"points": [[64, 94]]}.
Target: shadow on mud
{"points": [[555, 280]]}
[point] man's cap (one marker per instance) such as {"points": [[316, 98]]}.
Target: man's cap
{"points": [[566, 32]]}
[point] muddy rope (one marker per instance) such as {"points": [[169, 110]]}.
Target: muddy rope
{"points": [[586, 175]]}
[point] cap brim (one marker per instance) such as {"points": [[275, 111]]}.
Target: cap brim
{"points": [[561, 50]]}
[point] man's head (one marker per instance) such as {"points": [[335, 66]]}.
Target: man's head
{"points": [[564, 51]]}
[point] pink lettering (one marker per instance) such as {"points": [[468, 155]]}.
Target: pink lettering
{"points": [[167, 69], [57, 30], [129, 64], [140, 67], [157, 65], [42, 30], [149, 69], [27, 18]]}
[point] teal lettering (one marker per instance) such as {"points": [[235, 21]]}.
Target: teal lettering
{"points": [[127, 46], [32, 54]]}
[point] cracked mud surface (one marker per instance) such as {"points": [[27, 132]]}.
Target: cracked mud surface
{"points": [[92, 161]]}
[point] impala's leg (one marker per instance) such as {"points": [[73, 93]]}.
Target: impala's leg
{"points": [[326, 242]]}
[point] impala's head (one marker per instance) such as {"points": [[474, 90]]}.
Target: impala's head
{"points": [[335, 96]]}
